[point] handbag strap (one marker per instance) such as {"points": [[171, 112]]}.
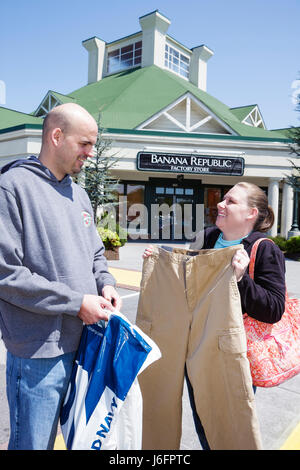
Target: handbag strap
{"points": [[252, 261], [253, 255]]}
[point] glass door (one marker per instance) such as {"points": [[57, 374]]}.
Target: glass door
{"points": [[162, 221], [172, 212], [184, 198]]}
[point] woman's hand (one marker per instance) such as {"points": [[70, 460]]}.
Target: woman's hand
{"points": [[240, 263], [148, 251]]}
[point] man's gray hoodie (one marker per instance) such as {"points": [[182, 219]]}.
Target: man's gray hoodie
{"points": [[50, 256]]}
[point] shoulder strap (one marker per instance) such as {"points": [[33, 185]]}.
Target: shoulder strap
{"points": [[253, 255]]}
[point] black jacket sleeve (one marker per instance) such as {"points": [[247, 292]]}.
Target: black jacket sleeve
{"points": [[264, 297]]}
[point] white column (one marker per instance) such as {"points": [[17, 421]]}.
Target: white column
{"points": [[273, 198], [287, 209], [154, 27], [96, 50], [198, 66]]}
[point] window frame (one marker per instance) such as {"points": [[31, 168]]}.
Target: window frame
{"points": [[131, 52], [174, 58]]}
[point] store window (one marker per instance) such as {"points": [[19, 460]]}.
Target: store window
{"points": [[135, 195], [212, 196], [124, 57], [119, 191], [176, 61], [129, 211], [179, 191], [136, 217], [129, 194]]}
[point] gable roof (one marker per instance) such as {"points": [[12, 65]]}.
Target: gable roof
{"points": [[250, 115], [187, 114], [242, 111], [62, 98], [50, 100], [129, 98]]}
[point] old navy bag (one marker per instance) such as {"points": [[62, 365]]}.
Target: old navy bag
{"points": [[273, 349], [102, 409]]}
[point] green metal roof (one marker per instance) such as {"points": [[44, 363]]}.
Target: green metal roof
{"points": [[62, 98], [129, 98], [289, 132], [58, 96], [242, 111]]}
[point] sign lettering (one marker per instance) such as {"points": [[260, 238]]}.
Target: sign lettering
{"points": [[210, 165]]}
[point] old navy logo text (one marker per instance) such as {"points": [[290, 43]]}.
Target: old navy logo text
{"points": [[104, 428]]}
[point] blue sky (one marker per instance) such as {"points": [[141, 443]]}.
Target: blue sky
{"points": [[256, 46]]}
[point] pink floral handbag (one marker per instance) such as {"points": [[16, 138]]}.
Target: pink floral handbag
{"points": [[273, 349]]}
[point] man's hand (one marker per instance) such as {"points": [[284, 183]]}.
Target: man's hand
{"points": [[94, 308], [110, 294]]}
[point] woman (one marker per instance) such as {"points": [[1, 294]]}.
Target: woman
{"points": [[243, 217]]}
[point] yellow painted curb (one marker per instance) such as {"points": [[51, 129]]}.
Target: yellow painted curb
{"points": [[125, 277], [59, 443], [293, 441]]}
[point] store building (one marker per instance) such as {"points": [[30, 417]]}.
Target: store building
{"points": [[173, 142]]}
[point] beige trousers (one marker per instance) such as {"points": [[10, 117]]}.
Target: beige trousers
{"points": [[190, 306]]}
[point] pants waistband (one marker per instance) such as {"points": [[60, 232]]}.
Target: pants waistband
{"points": [[205, 257]]}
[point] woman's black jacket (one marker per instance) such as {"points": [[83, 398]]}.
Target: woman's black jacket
{"points": [[264, 297]]}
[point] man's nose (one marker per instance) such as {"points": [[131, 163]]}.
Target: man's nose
{"points": [[89, 153]]}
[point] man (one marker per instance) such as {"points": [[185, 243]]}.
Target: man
{"points": [[53, 276]]}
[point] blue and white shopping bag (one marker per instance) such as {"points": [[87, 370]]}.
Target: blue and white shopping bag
{"points": [[103, 406]]}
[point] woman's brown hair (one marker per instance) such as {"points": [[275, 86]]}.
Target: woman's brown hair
{"points": [[258, 198]]}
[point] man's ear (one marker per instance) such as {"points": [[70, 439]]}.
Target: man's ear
{"points": [[56, 136]]}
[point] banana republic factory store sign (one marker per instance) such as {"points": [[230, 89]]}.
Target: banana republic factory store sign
{"points": [[193, 164]]}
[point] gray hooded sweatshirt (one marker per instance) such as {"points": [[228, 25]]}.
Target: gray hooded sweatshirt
{"points": [[50, 256]]}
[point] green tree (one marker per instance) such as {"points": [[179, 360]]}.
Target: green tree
{"points": [[294, 135], [294, 178], [98, 180]]}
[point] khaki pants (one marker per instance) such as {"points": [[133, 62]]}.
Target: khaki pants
{"points": [[190, 306]]}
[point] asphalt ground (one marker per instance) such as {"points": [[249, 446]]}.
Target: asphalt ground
{"points": [[278, 408]]}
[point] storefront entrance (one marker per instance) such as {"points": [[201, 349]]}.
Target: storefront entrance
{"points": [[169, 209], [172, 209]]}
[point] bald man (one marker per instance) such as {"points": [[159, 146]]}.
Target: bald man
{"points": [[54, 275]]}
